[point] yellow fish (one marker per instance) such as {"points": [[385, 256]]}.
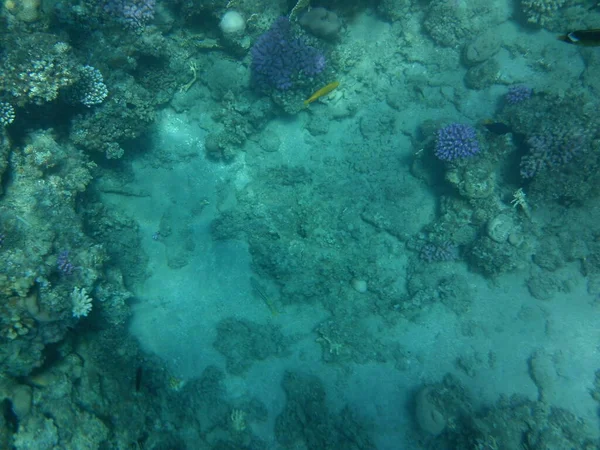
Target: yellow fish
{"points": [[321, 92]]}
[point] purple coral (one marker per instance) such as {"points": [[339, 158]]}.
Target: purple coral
{"points": [[456, 141], [63, 263], [554, 148], [132, 13], [280, 59], [438, 252], [518, 94]]}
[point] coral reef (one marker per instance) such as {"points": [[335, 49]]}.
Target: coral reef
{"points": [[373, 213], [560, 135], [306, 397]]}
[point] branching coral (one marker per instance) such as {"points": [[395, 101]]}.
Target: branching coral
{"points": [[541, 11], [36, 69]]}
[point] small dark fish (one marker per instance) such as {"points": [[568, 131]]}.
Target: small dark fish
{"points": [[497, 127], [500, 129], [139, 373], [264, 297], [589, 38], [10, 417]]}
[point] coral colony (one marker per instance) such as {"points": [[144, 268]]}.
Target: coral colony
{"points": [[438, 252], [63, 263], [280, 59], [132, 13], [553, 148], [456, 141], [518, 94]]}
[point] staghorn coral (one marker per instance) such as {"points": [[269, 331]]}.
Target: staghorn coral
{"points": [[82, 302]]}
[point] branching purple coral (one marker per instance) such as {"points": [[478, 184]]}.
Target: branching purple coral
{"points": [[456, 141], [438, 252], [518, 94], [63, 263], [553, 148], [132, 13], [280, 59]]}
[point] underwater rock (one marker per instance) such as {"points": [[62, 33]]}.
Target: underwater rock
{"points": [[321, 22], [481, 48], [232, 22], [213, 148], [544, 374], [21, 400], [317, 126], [25, 10], [269, 141], [40, 432], [429, 418], [225, 77], [500, 227], [483, 75], [548, 255], [542, 286], [359, 285], [243, 342], [594, 284], [493, 258], [472, 183], [516, 239], [478, 186]]}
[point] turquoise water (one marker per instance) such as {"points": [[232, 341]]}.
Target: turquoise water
{"points": [[262, 225]]}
